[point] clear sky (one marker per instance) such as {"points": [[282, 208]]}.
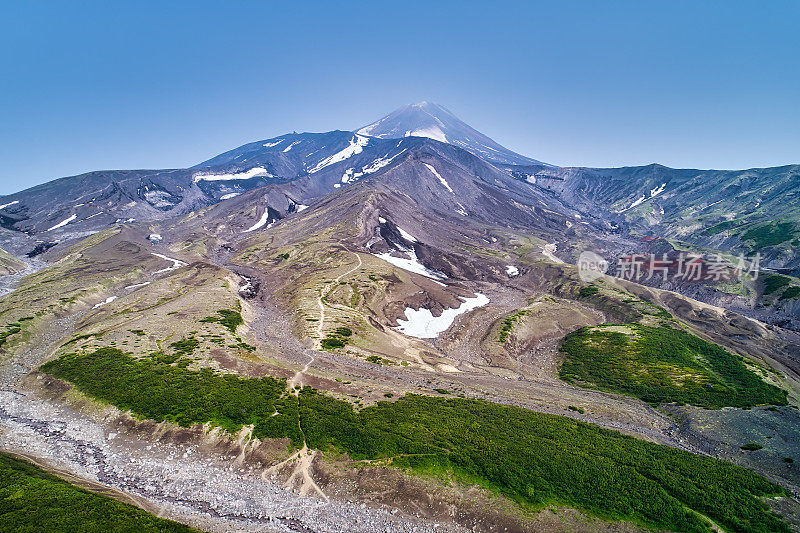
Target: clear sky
{"points": [[87, 86]]}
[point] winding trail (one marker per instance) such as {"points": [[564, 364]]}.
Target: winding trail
{"points": [[321, 323], [304, 458]]}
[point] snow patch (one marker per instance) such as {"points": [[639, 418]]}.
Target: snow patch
{"points": [[377, 164], [433, 132], [422, 324], [301, 207], [276, 143], [411, 264], [64, 222], [356, 146], [107, 301], [14, 202], [349, 174], [636, 202], [291, 146], [229, 195], [260, 223], [246, 175], [407, 236], [653, 193], [176, 263], [512, 271], [441, 179], [138, 285]]}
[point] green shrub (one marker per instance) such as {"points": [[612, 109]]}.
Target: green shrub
{"points": [[774, 283], [153, 388], [508, 324], [752, 446], [332, 343], [338, 338], [228, 318], [33, 500], [186, 346], [11, 329], [770, 234], [662, 364], [533, 458], [343, 332], [719, 228], [791, 293], [588, 291]]}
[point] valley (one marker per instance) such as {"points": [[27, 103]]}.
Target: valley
{"points": [[380, 331]]}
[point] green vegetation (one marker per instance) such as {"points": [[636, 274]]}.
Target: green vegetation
{"points": [[355, 296], [719, 228], [770, 234], [791, 293], [774, 283], [332, 343], [576, 409], [11, 329], [227, 318], [752, 446], [378, 360], [244, 346], [185, 346], [336, 338], [536, 459], [508, 325], [158, 387], [83, 336], [284, 256], [31, 500], [662, 364], [788, 460], [588, 291]]}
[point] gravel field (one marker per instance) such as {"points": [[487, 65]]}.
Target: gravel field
{"points": [[178, 482]]}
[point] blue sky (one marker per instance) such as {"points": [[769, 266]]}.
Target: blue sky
{"points": [[88, 86]]}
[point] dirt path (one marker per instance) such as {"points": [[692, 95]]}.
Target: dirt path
{"points": [[303, 459], [321, 304]]}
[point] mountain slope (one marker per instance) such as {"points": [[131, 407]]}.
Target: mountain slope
{"points": [[740, 211], [361, 270], [434, 121], [62, 210]]}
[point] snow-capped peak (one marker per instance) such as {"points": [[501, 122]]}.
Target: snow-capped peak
{"points": [[426, 119]]}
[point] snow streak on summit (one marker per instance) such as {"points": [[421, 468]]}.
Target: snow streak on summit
{"points": [[436, 122]]}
